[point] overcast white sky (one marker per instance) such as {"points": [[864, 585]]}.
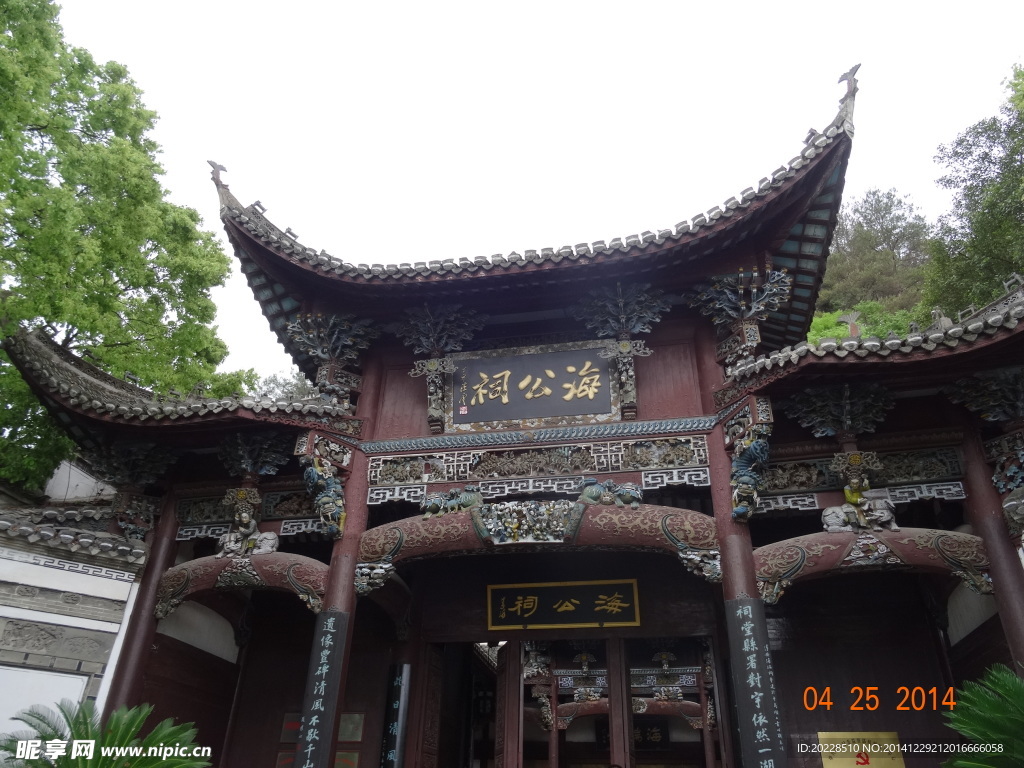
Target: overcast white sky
{"points": [[410, 131]]}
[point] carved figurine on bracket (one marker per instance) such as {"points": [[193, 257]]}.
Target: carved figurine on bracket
{"points": [[328, 494], [437, 332], [608, 493], [437, 503], [874, 511], [864, 508], [750, 460], [245, 538], [620, 313]]}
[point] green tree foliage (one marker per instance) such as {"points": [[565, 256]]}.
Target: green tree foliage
{"points": [[873, 319], [291, 386], [880, 246], [982, 239], [991, 711], [90, 246], [123, 729]]}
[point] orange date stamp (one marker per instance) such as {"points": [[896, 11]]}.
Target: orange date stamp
{"points": [[871, 697]]}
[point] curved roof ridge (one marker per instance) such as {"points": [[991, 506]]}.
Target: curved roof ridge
{"points": [[88, 388], [252, 217], [998, 319]]}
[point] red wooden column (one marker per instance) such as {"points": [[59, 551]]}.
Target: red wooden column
{"points": [[332, 637], [620, 705], [553, 736], [750, 664], [508, 721], [984, 513], [126, 689]]}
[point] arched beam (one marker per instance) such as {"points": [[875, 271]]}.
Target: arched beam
{"points": [[683, 532], [303, 576], [922, 550]]}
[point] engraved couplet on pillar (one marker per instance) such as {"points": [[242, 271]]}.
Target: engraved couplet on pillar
{"points": [[753, 682], [320, 706], [395, 716]]}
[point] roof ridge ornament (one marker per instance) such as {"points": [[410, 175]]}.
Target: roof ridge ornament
{"points": [[847, 102]]}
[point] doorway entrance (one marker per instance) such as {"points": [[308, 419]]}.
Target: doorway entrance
{"points": [[578, 704]]}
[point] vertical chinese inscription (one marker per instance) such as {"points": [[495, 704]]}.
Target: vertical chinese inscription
{"points": [[319, 711], [758, 722], [396, 706]]}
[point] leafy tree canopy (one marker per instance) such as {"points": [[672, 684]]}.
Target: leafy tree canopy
{"points": [[291, 386], [90, 246], [982, 239], [880, 245]]}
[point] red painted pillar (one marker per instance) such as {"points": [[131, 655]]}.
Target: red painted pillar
{"points": [[508, 722], [758, 725], [620, 705], [332, 639], [984, 513], [127, 687], [738, 578], [553, 736]]}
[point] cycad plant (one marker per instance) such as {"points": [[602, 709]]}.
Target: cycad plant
{"points": [[990, 712], [79, 722]]}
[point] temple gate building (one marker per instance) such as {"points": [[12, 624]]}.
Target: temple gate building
{"points": [[587, 506]]}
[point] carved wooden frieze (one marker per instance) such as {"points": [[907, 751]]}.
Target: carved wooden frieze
{"points": [[462, 466]]}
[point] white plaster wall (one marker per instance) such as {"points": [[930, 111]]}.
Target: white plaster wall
{"points": [[23, 688], [203, 628], [71, 483], [967, 611], [115, 651]]}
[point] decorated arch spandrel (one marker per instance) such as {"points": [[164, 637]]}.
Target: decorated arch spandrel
{"points": [[543, 525], [303, 576], [923, 550]]}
